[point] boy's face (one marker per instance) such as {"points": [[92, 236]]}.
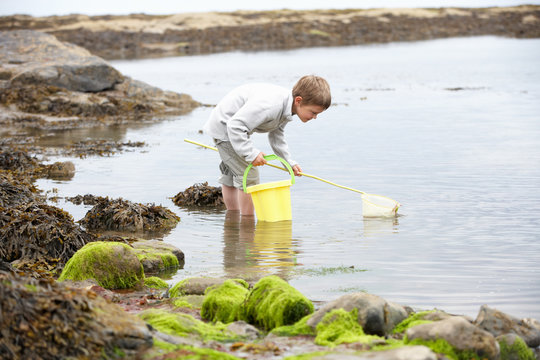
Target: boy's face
{"points": [[306, 112]]}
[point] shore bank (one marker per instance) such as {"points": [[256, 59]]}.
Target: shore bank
{"points": [[142, 36]]}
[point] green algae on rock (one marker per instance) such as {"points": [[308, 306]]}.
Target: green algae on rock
{"points": [[224, 302], [273, 302], [157, 256], [298, 328], [514, 347], [155, 282], [413, 320], [340, 326], [113, 265], [180, 324]]}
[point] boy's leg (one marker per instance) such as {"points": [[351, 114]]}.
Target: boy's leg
{"points": [[230, 197], [246, 204]]}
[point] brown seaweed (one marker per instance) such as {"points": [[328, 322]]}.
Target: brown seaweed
{"points": [[201, 195]]}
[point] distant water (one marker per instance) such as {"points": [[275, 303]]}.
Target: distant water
{"points": [[104, 7], [450, 128]]}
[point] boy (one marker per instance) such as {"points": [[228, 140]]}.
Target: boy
{"points": [[262, 108]]}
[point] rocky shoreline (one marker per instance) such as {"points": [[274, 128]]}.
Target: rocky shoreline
{"points": [[89, 289], [141, 36]]}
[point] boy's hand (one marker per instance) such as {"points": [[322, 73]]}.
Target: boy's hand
{"points": [[297, 170], [259, 160]]}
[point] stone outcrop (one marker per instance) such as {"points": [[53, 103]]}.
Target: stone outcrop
{"points": [[139, 35], [49, 84], [376, 315]]}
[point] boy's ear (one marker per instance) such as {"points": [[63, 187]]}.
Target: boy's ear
{"points": [[298, 100]]}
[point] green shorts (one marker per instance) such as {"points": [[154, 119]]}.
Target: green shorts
{"points": [[232, 167]]}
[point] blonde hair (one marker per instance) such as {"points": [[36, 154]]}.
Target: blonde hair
{"points": [[314, 90]]}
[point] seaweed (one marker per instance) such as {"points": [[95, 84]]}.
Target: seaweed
{"points": [[201, 195], [124, 215]]}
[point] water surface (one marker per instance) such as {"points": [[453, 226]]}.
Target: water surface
{"points": [[449, 128]]}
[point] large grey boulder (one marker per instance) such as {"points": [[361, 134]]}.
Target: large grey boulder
{"points": [[459, 333], [376, 315], [32, 57], [498, 323]]}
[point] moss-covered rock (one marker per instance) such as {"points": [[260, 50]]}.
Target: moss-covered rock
{"points": [[155, 282], [157, 256], [193, 286], [273, 302], [514, 348], [113, 265], [298, 328], [413, 320], [180, 324], [339, 326], [224, 302]]}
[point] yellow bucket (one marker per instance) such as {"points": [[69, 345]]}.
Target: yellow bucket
{"points": [[272, 201]]}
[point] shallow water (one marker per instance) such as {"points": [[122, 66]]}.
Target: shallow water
{"points": [[449, 128]]}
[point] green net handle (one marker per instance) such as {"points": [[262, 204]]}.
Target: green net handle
{"points": [[269, 157]]}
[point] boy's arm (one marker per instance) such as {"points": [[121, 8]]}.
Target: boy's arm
{"points": [[279, 145], [240, 126]]}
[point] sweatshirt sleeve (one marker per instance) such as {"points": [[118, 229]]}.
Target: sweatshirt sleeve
{"points": [[241, 125], [279, 145]]}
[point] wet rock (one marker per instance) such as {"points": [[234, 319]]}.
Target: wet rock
{"points": [[157, 256], [87, 199], [403, 353], [39, 58], [48, 84], [243, 330], [460, 334], [200, 195], [34, 232], [123, 215], [113, 265], [194, 286], [61, 170], [499, 323], [376, 315], [47, 320]]}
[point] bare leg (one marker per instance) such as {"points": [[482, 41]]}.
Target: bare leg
{"points": [[230, 197], [246, 204], [236, 199]]}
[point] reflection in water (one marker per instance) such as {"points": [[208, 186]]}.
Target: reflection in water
{"points": [[257, 247], [375, 227]]}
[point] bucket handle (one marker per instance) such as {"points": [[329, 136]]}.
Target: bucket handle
{"points": [[269, 157]]}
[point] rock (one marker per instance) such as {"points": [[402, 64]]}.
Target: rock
{"points": [[157, 256], [113, 265], [200, 195], [273, 302], [460, 334], [224, 302], [514, 348], [498, 323], [244, 330], [61, 170], [14, 192], [45, 319], [39, 58], [376, 315], [193, 286]]}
